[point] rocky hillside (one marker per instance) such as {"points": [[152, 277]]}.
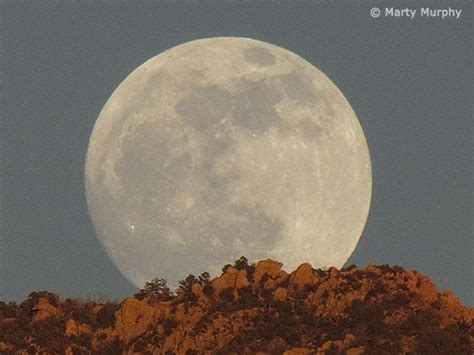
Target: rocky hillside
{"points": [[252, 309]]}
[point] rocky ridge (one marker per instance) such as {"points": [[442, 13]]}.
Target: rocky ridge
{"points": [[252, 309]]}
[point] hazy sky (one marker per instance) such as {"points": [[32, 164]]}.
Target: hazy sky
{"points": [[408, 80]]}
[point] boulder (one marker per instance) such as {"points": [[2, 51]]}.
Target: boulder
{"points": [[133, 319], [280, 294], [74, 328], [198, 290], [331, 346], [242, 280], [426, 289], [304, 275], [355, 351], [349, 339], [267, 267], [232, 278], [43, 310], [450, 303]]}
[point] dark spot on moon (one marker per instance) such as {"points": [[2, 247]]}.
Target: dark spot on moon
{"points": [[259, 55], [251, 108], [154, 83], [252, 226], [218, 139], [204, 107], [299, 87], [149, 171], [254, 106], [309, 130], [218, 185]]}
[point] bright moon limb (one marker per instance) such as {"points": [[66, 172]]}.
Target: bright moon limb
{"points": [[224, 147]]}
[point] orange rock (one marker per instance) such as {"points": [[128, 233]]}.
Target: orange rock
{"points": [[195, 317], [172, 342], [333, 273], [242, 281], [133, 319], [180, 325], [355, 351], [450, 303], [327, 346], [74, 328], [197, 289], [267, 267], [232, 278], [186, 345], [97, 308], [160, 330], [280, 294], [373, 269], [349, 339], [282, 276], [427, 290], [43, 310], [298, 351], [4, 347], [407, 344], [303, 276], [223, 282], [180, 312]]}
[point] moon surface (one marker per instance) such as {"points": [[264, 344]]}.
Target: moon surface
{"points": [[224, 147]]}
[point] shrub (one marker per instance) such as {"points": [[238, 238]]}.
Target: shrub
{"points": [[49, 334], [106, 315], [243, 264], [169, 324], [7, 310]]}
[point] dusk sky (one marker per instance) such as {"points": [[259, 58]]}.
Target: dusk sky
{"points": [[409, 81]]}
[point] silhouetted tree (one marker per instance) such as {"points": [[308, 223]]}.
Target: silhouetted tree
{"points": [[224, 269], [185, 288], [156, 290], [186, 285], [205, 281], [243, 264], [204, 278]]}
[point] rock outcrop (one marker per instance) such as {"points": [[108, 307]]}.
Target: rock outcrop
{"points": [[44, 309], [253, 309], [133, 319]]}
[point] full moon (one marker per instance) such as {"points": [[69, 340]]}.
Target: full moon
{"points": [[224, 147]]}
